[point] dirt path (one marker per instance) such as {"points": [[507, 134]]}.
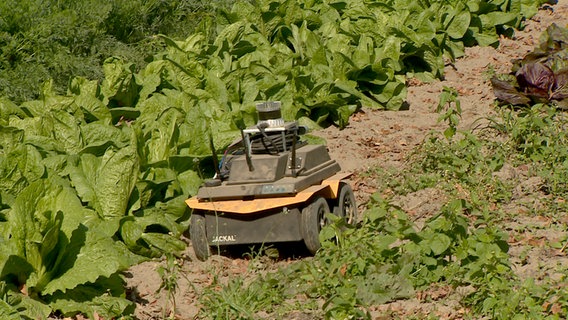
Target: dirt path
{"points": [[373, 138]]}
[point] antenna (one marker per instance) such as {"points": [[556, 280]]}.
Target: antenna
{"points": [[214, 154], [241, 125]]}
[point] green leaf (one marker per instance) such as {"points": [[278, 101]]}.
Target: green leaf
{"points": [[34, 230], [483, 31], [190, 182], [450, 132], [459, 22], [9, 312], [92, 253], [99, 136], [383, 286], [19, 165], [104, 298], [119, 88], [87, 96], [10, 138], [439, 243], [124, 114], [164, 242], [66, 131], [144, 233], [9, 109], [82, 172], [501, 18], [19, 306], [162, 140], [115, 179]]}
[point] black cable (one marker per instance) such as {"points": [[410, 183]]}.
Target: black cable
{"points": [[259, 143], [261, 128]]}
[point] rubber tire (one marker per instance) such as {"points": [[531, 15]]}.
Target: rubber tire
{"points": [[198, 236], [313, 219], [346, 205]]}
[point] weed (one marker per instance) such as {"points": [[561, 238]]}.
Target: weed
{"points": [[169, 274], [489, 72], [240, 300], [450, 104]]}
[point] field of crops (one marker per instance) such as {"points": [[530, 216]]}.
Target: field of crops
{"points": [[92, 182]]}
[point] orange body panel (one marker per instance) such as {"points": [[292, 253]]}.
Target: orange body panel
{"points": [[329, 189]]}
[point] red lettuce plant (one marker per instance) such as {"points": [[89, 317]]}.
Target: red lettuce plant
{"points": [[541, 76]]}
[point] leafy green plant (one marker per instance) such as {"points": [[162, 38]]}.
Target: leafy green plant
{"points": [[61, 254]]}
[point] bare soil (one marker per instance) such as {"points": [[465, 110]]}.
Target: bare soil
{"points": [[383, 139]]}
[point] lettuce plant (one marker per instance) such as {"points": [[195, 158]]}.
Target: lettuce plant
{"points": [[57, 252], [541, 76]]}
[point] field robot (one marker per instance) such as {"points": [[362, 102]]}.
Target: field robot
{"points": [[270, 187]]}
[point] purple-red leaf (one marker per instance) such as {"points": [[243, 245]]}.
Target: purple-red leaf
{"points": [[506, 92], [536, 79], [541, 76], [560, 88]]}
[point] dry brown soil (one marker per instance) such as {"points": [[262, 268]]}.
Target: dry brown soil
{"points": [[373, 138]]}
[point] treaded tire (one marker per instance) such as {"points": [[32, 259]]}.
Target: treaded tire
{"points": [[346, 205], [198, 236], [313, 219]]}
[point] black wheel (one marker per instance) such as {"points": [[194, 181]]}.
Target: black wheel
{"points": [[313, 219], [346, 207], [198, 236]]}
